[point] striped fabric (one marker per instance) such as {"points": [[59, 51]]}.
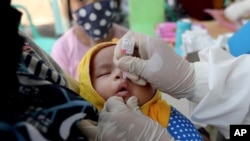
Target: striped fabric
{"points": [[39, 68]]}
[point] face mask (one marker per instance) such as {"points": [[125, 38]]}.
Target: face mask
{"points": [[97, 18]]}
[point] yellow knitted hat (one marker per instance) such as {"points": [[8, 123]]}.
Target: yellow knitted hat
{"points": [[86, 88]]}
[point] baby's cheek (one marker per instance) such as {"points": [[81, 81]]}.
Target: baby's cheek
{"points": [[144, 94]]}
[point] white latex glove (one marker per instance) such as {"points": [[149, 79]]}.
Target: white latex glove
{"points": [[125, 122], [158, 64], [237, 10]]}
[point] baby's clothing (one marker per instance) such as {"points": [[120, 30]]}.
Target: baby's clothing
{"points": [[179, 126], [41, 102]]}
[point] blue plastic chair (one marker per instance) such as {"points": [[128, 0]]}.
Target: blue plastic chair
{"points": [[46, 43]]}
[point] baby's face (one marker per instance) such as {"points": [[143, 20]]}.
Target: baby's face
{"points": [[107, 79]]}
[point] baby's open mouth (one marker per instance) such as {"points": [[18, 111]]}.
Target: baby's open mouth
{"points": [[123, 91]]}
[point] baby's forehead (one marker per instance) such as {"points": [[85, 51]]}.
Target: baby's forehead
{"points": [[104, 53], [108, 50]]}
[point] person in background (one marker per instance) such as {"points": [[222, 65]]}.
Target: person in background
{"points": [[92, 22]]}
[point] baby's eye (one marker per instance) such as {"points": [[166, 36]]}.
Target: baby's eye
{"points": [[103, 74]]}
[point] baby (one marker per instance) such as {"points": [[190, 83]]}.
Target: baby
{"points": [[100, 79]]}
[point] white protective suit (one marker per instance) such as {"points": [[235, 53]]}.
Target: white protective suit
{"points": [[227, 79], [225, 99]]}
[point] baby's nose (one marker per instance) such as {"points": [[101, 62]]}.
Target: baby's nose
{"points": [[120, 75]]}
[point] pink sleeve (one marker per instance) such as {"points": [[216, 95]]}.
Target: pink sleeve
{"points": [[59, 54]]}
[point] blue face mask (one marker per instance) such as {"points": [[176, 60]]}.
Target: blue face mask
{"points": [[97, 18]]}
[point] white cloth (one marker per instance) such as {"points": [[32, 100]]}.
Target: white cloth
{"points": [[222, 89]]}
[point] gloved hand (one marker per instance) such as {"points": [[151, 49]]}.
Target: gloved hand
{"points": [[158, 64], [237, 10], [120, 121]]}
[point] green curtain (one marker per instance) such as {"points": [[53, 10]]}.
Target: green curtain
{"points": [[144, 15]]}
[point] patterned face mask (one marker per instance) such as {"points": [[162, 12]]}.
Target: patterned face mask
{"points": [[97, 18]]}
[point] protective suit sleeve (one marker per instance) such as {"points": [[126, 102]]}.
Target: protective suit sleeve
{"points": [[224, 91]]}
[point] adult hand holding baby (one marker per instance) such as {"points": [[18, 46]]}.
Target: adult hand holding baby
{"points": [[158, 64]]}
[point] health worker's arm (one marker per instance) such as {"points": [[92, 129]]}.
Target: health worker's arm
{"points": [[222, 87]]}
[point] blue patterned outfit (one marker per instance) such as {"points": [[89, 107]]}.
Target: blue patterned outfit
{"points": [[42, 108]]}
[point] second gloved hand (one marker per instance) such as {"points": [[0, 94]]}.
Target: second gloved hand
{"points": [[158, 64], [125, 122], [237, 10]]}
